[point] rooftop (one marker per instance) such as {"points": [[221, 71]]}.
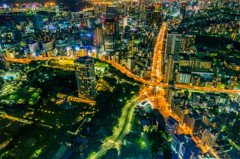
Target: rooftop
{"points": [[83, 59]]}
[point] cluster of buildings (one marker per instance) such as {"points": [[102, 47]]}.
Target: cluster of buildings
{"points": [[192, 65], [206, 120], [199, 68], [125, 33], [210, 118], [85, 77], [40, 34], [137, 27], [222, 22]]}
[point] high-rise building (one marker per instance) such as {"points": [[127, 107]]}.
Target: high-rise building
{"points": [[169, 68], [193, 121], [209, 137], [180, 111], [47, 45], [172, 126], [185, 147], [156, 18], [112, 13], [33, 47], [183, 10], [142, 13], [131, 63], [10, 54], [173, 44], [31, 55], [97, 11], [85, 77], [110, 31], [98, 36], [170, 92], [125, 21]]}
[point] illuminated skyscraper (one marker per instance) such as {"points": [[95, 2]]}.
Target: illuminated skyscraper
{"points": [[170, 93], [173, 44], [85, 77], [98, 36], [169, 68], [110, 31], [183, 10], [172, 125]]}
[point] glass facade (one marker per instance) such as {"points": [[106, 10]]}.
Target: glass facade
{"points": [[85, 77]]}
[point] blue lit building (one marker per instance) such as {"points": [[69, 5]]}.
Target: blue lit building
{"points": [[185, 147], [110, 32], [172, 126], [86, 37]]}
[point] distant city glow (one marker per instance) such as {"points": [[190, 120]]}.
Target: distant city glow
{"points": [[146, 77], [5, 6], [77, 48]]}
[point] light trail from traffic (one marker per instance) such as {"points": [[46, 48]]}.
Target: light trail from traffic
{"points": [[119, 132], [27, 61], [157, 98], [155, 90], [4, 144], [124, 70], [157, 94], [156, 73], [207, 89], [152, 93]]}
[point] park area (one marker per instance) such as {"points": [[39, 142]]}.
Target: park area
{"points": [[14, 93]]}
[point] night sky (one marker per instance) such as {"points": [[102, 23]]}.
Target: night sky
{"points": [[75, 5]]}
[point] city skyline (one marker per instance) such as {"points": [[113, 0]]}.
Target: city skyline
{"points": [[136, 79]]}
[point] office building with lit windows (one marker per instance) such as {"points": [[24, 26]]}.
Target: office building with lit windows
{"points": [[188, 41], [110, 33], [98, 36], [184, 146], [169, 68], [172, 126], [85, 77], [173, 44], [193, 121]]}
